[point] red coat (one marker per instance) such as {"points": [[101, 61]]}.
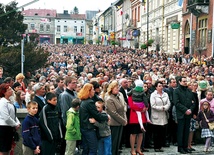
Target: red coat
{"points": [[133, 115]]}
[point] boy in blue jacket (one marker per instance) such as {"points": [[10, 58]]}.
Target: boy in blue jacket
{"points": [[30, 128]]}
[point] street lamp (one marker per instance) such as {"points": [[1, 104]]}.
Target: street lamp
{"points": [[146, 2]]}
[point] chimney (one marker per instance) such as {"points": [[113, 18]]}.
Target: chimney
{"points": [[65, 12]]}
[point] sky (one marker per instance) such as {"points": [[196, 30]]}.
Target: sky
{"points": [[61, 5]]}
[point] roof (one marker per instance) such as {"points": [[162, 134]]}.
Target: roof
{"points": [[78, 16], [39, 12]]}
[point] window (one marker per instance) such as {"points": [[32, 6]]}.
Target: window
{"points": [[58, 28], [75, 29], [82, 29], [48, 28], [90, 30], [202, 29], [41, 29], [65, 29], [32, 26]]}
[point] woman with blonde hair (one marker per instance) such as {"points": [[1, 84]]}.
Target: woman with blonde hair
{"points": [[88, 110], [116, 107], [20, 78]]}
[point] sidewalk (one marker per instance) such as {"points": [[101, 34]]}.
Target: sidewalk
{"points": [[172, 150]]}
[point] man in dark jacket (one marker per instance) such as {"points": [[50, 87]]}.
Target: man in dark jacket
{"points": [[184, 104]]}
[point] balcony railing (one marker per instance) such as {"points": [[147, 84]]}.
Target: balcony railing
{"points": [[193, 3]]}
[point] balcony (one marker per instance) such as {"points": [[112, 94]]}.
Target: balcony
{"points": [[198, 6]]}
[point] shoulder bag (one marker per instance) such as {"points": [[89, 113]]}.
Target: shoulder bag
{"points": [[210, 124]]}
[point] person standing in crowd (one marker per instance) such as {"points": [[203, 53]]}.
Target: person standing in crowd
{"points": [[64, 102], [124, 90], [1, 75], [72, 127], [104, 132], [116, 107], [209, 98], [88, 110], [205, 116], [172, 133], [193, 87], [60, 86], [39, 90], [30, 131], [184, 104], [20, 79], [20, 100], [50, 123], [159, 115], [8, 120]]}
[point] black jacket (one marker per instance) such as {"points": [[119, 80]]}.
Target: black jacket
{"points": [[41, 104], [88, 110], [183, 99], [52, 130]]}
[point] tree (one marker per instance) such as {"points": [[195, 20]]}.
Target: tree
{"points": [[35, 58], [11, 25], [11, 30], [76, 10]]}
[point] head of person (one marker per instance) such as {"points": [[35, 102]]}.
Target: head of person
{"points": [[99, 105], [96, 86], [149, 83], [183, 81], [209, 95], [78, 88], [39, 89], [86, 92], [32, 108], [75, 104], [60, 82], [205, 106], [51, 98], [172, 83], [20, 97], [71, 82], [52, 88], [16, 86], [123, 83], [145, 87], [113, 88], [5, 90], [159, 86], [9, 80], [20, 77], [42, 79]]}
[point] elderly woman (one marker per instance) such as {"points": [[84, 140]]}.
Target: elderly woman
{"points": [[8, 120], [116, 107], [88, 110], [159, 114]]}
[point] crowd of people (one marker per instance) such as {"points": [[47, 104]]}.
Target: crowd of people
{"points": [[101, 98]]}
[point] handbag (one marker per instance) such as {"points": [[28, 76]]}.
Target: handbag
{"points": [[210, 124]]}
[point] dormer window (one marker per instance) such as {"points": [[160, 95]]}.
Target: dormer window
{"points": [[48, 14], [36, 14]]}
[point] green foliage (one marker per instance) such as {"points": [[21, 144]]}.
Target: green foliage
{"points": [[11, 25], [143, 46], [150, 41], [97, 42], [113, 42], [76, 10], [90, 42], [10, 57]]}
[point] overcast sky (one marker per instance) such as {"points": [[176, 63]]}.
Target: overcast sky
{"points": [[61, 5]]}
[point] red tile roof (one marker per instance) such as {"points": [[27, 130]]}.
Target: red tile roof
{"points": [[78, 16], [39, 12]]}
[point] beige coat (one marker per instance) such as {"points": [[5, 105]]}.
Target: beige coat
{"points": [[116, 107], [158, 115]]}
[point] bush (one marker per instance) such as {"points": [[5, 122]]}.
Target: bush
{"points": [[143, 46]]}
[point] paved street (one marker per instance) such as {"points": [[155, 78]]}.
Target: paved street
{"points": [[172, 150]]}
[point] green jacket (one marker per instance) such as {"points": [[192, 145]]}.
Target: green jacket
{"points": [[73, 125]]}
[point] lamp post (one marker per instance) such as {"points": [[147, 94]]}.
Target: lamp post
{"points": [[146, 2]]}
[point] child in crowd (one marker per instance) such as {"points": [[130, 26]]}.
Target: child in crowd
{"points": [[72, 127], [104, 132], [51, 126], [30, 131], [204, 117], [140, 100]]}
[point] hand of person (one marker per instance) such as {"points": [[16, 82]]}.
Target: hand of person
{"points": [[144, 109], [92, 120], [37, 150], [109, 118], [188, 112], [18, 126]]}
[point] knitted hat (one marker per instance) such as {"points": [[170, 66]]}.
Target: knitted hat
{"points": [[138, 83]]}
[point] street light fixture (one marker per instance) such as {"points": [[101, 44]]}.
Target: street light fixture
{"points": [[146, 2]]}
